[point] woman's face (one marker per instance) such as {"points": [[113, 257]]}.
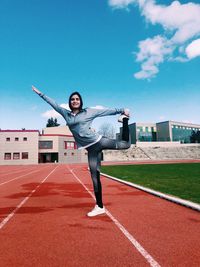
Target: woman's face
{"points": [[75, 102]]}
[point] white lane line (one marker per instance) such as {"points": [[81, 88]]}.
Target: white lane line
{"points": [[19, 177], [15, 171], [134, 242], [9, 216]]}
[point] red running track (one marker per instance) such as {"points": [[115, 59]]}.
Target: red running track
{"points": [[43, 222]]}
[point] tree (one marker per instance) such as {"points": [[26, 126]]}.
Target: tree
{"points": [[52, 122], [106, 129]]}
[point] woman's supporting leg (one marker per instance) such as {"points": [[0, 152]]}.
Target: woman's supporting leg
{"points": [[94, 157], [94, 160]]}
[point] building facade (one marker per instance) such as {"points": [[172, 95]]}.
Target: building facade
{"points": [[167, 131], [55, 144], [175, 131], [18, 147]]}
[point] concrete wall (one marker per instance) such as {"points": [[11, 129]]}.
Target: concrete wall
{"points": [[65, 155], [54, 139], [70, 155], [190, 151], [158, 144], [57, 130]]}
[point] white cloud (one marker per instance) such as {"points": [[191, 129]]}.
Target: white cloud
{"points": [[121, 3], [181, 24], [98, 107], [52, 113], [152, 53], [184, 19], [193, 49]]}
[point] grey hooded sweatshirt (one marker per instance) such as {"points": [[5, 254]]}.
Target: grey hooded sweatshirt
{"points": [[80, 124]]}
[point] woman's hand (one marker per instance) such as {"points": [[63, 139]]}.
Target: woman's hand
{"points": [[36, 90]]}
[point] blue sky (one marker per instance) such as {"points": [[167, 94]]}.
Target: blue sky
{"points": [[140, 54]]}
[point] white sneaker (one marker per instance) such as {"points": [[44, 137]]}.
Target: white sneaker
{"points": [[121, 117], [96, 211]]}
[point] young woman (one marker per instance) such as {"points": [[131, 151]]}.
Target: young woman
{"points": [[79, 121]]}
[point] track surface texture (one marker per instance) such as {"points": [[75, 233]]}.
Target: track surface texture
{"points": [[43, 222]]}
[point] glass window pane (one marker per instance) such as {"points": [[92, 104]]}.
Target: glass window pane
{"points": [[45, 144]]}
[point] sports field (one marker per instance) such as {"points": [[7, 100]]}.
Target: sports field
{"points": [[180, 179], [43, 222]]}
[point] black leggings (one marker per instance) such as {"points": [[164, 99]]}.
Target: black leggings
{"points": [[94, 157]]}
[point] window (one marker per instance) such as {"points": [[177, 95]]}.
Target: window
{"points": [[7, 156], [16, 138], [25, 139], [8, 139], [24, 155], [16, 155], [45, 144], [69, 145]]}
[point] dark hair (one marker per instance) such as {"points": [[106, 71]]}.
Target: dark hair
{"points": [[81, 101]]}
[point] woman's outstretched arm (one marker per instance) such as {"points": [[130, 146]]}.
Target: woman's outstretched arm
{"points": [[95, 112], [51, 102]]}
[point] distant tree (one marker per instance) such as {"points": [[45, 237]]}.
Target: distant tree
{"points": [[195, 137], [52, 122], [107, 130]]}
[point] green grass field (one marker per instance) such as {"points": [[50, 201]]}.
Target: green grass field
{"points": [[180, 179]]}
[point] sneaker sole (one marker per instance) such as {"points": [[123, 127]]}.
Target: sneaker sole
{"points": [[96, 214]]}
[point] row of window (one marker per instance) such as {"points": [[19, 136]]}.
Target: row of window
{"points": [[16, 139], [70, 145], [184, 127], [146, 129], [15, 155], [49, 145]]}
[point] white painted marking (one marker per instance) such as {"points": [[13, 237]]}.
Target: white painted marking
{"points": [[9, 216], [18, 177], [176, 200], [134, 242], [14, 171]]}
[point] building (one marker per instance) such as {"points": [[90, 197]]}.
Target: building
{"points": [[175, 131], [18, 147], [55, 144], [143, 132], [162, 131]]}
